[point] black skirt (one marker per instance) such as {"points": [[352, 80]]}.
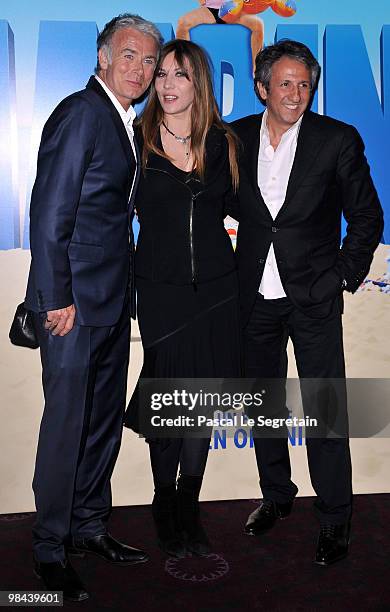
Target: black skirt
{"points": [[187, 332]]}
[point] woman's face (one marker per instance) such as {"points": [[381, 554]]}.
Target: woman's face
{"points": [[174, 87]]}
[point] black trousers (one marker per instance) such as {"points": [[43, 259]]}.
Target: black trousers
{"points": [[84, 377], [318, 349]]}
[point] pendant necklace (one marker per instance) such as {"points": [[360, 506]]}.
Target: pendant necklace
{"points": [[182, 139]]}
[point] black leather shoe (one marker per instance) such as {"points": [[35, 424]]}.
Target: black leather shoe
{"points": [[265, 516], [60, 576], [333, 542], [165, 516], [109, 549]]}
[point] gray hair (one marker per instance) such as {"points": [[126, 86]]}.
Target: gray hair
{"points": [[266, 58], [125, 20]]}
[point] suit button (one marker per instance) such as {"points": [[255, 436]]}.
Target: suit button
{"points": [[261, 261], [274, 230]]}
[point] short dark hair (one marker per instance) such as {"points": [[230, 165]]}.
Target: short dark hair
{"points": [[267, 57], [125, 20]]}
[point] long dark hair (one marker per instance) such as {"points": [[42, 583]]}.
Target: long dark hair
{"points": [[204, 112]]}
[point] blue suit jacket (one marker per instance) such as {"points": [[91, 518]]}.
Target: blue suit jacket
{"points": [[81, 240]]}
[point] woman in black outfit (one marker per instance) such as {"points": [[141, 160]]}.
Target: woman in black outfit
{"points": [[185, 270]]}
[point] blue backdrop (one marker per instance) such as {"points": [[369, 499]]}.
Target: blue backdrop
{"points": [[47, 50]]}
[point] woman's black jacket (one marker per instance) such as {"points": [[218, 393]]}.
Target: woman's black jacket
{"points": [[182, 238]]}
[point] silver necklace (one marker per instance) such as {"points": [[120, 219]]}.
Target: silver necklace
{"points": [[182, 139]]}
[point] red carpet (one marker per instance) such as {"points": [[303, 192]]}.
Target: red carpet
{"points": [[272, 573]]}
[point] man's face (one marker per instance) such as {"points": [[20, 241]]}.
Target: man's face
{"points": [[289, 92], [133, 60]]}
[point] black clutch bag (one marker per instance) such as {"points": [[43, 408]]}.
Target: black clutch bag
{"points": [[22, 332]]}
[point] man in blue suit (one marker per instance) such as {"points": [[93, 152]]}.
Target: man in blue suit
{"points": [[81, 291]]}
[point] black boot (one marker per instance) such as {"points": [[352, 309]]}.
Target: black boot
{"points": [[164, 511], [194, 535]]}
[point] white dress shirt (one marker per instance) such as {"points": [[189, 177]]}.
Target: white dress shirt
{"points": [[127, 117], [273, 173]]}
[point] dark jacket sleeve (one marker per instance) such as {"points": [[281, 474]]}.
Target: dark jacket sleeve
{"points": [[361, 209], [232, 205], [64, 155]]}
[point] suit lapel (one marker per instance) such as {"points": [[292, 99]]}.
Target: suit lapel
{"points": [[252, 144], [119, 125], [253, 153], [137, 175], [310, 140]]}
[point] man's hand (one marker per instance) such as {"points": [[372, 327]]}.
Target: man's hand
{"points": [[60, 322]]}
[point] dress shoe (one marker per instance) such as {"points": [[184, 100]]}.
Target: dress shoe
{"points": [[192, 530], [109, 549], [333, 542], [60, 576], [265, 516], [165, 516]]}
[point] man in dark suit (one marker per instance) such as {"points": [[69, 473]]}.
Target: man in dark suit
{"points": [[81, 291], [300, 173]]}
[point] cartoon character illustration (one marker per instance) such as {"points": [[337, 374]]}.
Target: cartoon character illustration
{"points": [[284, 8], [233, 8], [242, 12], [230, 10], [217, 11], [256, 6]]}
